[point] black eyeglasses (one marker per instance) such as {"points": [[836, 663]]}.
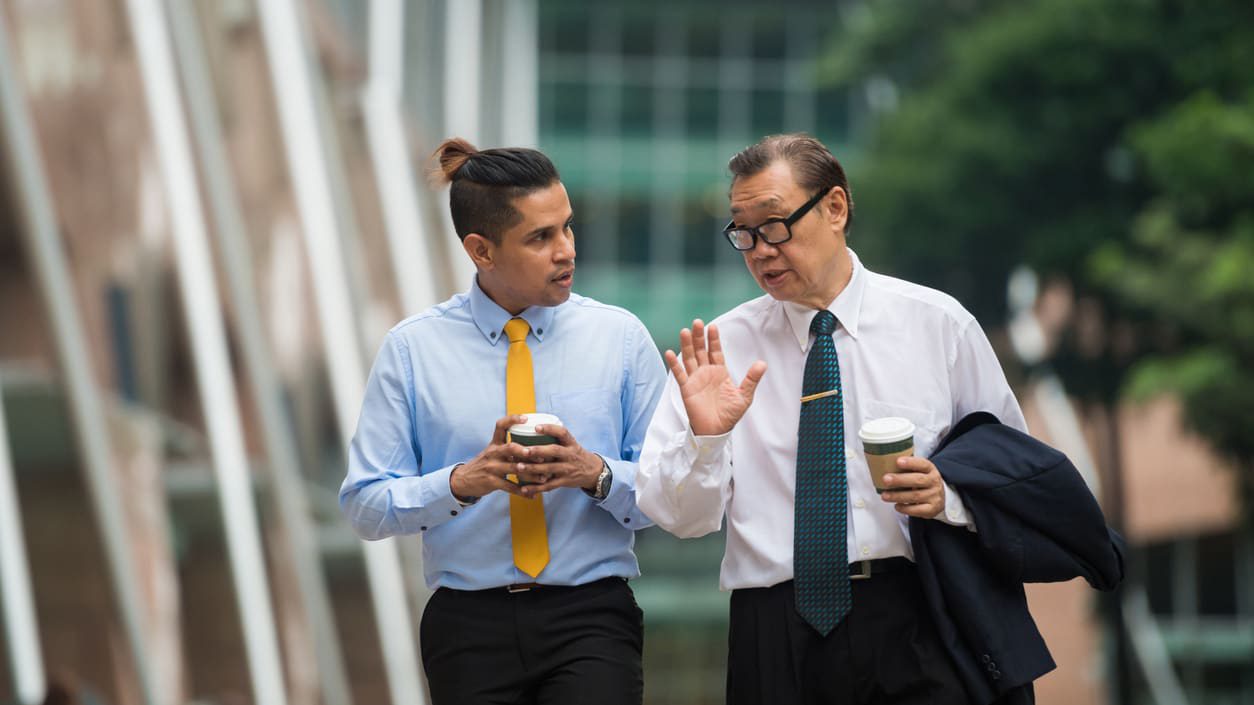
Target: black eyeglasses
{"points": [[773, 232]]}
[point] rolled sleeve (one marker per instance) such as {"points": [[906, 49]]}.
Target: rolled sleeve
{"points": [[684, 483], [955, 513]]}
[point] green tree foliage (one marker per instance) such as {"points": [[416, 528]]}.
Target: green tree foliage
{"points": [[1110, 142], [1190, 261]]}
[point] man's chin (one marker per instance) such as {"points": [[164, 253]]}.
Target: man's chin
{"points": [[775, 292], [557, 296]]}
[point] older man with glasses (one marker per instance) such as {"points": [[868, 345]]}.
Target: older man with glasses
{"points": [[826, 606]]}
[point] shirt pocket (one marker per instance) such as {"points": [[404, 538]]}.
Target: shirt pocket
{"points": [[592, 416], [928, 426]]}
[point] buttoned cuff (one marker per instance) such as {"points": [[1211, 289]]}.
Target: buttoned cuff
{"points": [[705, 451], [437, 497], [620, 501], [955, 513]]}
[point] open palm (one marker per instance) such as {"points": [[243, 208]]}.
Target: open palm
{"points": [[713, 400]]}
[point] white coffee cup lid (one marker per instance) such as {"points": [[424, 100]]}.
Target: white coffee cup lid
{"points": [[888, 429], [528, 427]]}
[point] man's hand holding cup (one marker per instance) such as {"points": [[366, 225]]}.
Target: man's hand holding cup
{"points": [[913, 485]]}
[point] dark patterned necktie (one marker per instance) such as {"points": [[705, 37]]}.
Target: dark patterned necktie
{"points": [[820, 559]]}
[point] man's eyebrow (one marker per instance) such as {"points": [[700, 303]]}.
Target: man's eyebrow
{"points": [[771, 202], [545, 228]]}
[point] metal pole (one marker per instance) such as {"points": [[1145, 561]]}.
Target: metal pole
{"points": [[43, 248], [290, 495], [25, 655], [520, 73], [463, 59], [292, 78], [209, 350], [411, 258]]}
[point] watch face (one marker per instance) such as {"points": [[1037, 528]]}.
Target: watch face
{"points": [[603, 482]]}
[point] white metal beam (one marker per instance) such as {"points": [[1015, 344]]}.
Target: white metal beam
{"points": [[463, 78], [21, 629], [49, 267], [292, 501], [410, 254], [292, 76], [209, 349], [520, 74]]}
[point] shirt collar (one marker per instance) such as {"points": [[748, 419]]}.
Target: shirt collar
{"points": [[846, 307], [490, 318]]}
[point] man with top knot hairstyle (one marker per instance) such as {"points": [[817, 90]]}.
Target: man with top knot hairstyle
{"points": [[528, 547]]}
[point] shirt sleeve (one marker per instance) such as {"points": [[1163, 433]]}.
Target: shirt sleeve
{"points": [[684, 481], [955, 513], [641, 389], [978, 382], [384, 493]]}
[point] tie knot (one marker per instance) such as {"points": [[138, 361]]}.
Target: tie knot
{"points": [[516, 330], [824, 323]]}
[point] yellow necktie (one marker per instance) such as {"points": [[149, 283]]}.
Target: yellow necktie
{"points": [[526, 516]]}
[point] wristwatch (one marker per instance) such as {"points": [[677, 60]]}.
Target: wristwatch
{"points": [[604, 480]]}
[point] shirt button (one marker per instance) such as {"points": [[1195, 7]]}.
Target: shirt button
{"points": [[866, 550], [539, 331], [849, 453], [627, 520], [454, 512], [859, 504], [424, 528]]}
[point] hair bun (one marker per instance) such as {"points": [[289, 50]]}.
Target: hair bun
{"points": [[451, 156]]}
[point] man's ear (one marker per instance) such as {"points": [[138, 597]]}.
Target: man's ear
{"points": [[837, 203], [481, 250]]}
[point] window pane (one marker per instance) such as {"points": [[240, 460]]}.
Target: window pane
{"points": [[1216, 578], [1158, 577], [768, 112], [702, 112]]}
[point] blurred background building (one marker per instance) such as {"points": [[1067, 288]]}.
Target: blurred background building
{"points": [[212, 210]]}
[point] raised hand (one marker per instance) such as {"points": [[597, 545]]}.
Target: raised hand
{"points": [[714, 401]]}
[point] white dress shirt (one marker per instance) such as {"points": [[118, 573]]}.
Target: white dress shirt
{"points": [[905, 350]]}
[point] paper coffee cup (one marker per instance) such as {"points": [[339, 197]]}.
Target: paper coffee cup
{"points": [[525, 434], [883, 441]]}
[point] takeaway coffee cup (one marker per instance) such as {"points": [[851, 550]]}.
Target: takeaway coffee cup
{"points": [[884, 440], [525, 434]]}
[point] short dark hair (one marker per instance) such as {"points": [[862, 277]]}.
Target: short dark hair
{"points": [[484, 184], [813, 164]]}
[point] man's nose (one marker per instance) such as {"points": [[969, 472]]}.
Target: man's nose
{"points": [[566, 249], [763, 249]]}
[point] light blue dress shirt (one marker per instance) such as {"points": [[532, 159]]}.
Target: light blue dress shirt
{"points": [[435, 392]]}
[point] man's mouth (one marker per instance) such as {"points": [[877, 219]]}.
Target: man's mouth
{"points": [[565, 278], [773, 276]]}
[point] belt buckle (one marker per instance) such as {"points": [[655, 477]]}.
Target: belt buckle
{"points": [[519, 587], [864, 571]]}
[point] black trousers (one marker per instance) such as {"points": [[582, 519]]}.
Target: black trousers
{"points": [[886, 651], [548, 645]]}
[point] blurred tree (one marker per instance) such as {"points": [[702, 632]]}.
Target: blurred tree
{"points": [[1189, 261], [1107, 142]]}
